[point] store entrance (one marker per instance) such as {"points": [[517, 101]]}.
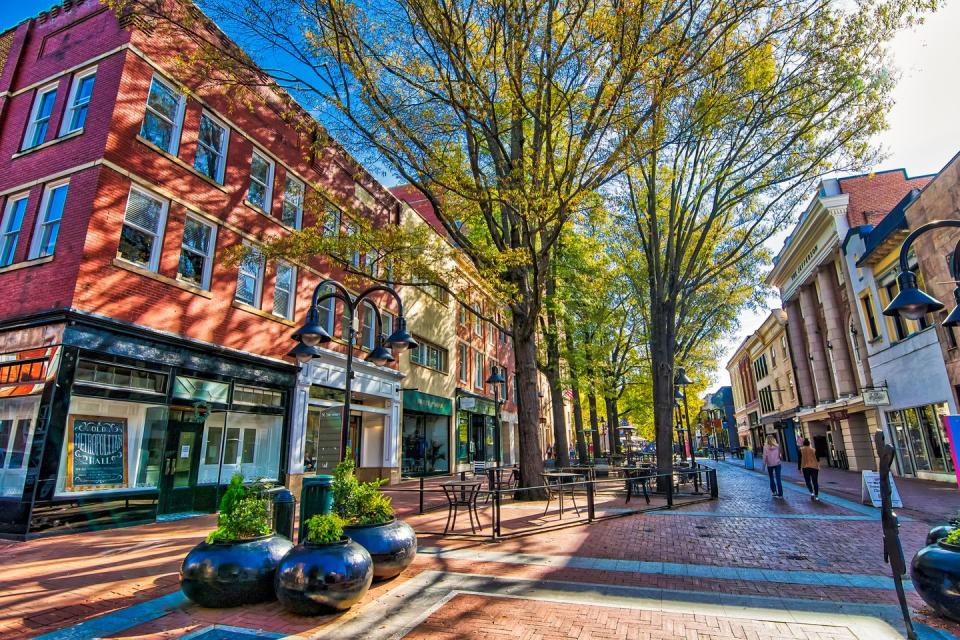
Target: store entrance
{"points": [[181, 461]]}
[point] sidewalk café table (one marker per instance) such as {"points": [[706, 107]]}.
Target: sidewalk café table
{"points": [[561, 480], [640, 474], [462, 493]]}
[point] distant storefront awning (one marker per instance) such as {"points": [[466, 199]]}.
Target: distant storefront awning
{"points": [[774, 418], [426, 403], [476, 404]]}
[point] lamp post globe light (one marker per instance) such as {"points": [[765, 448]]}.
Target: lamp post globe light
{"points": [[312, 334], [912, 302], [497, 379]]}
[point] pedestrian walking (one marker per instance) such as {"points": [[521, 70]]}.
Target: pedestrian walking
{"points": [[800, 441], [771, 460], [811, 469]]}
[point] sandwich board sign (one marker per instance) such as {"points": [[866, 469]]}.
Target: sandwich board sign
{"points": [[870, 487]]}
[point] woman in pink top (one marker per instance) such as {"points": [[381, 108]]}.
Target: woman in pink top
{"points": [[771, 460]]}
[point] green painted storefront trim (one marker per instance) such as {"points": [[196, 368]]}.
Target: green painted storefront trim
{"points": [[426, 403]]}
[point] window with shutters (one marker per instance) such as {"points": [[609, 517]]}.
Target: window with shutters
{"points": [[10, 227], [250, 278], [78, 102], [284, 290], [291, 212], [141, 238], [212, 140], [196, 252], [40, 115], [48, 227], [260, 192], [163, 116]]}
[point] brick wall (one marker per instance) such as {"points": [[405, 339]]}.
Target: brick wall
{"points": [[939, 200], [873, 195]]}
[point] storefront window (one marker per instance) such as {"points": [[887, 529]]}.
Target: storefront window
{"points": [[463, 437], [921, 438], [250, 444], [18, 418], [111, 446], [321, 451], [426, 444]]}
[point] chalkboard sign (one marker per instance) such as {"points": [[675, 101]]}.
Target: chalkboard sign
{"points": [[96, 453]]}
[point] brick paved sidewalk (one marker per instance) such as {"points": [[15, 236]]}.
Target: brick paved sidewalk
{"points": [[743, 564], [932, 502]]}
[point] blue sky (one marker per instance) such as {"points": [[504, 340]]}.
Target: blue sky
{"points": [[13, 11]]}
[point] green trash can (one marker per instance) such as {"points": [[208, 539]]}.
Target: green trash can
{"points": [[316, 498]]}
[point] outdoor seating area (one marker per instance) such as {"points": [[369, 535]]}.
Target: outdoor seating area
{"points": [[492, 504]]}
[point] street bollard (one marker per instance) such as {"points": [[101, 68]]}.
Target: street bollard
{"points": [[670, 492], [284, 511], [714, 489], [590, 504]]}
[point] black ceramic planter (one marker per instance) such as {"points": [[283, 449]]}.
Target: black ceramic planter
{"points": [[393, 546], [938, 533], [319, 578], [229, 574], [935, 572]]}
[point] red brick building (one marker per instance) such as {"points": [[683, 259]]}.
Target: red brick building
{"points": [[138, 369]]}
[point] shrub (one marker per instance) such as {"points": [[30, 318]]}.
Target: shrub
{"points": [[359, 502], [325, 529], [244, 513], [953, 537]]}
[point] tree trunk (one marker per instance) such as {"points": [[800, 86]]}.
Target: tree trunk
{"points": [[613, 422], [577, 408], [662, 353], [561, 446], [528, 406], [594, 423]]}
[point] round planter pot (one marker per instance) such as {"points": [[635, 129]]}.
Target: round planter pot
{"points": [[230, 574], [320, 578], [938, 533], [935, 572], [392, 545]]}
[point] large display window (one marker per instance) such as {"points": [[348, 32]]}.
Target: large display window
{"points": [[110, 446], [244, 443], [921, 440], [18, 419], [426, 444]]}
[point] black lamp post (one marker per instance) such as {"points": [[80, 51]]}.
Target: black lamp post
{"points": [[682, 381], [678, 421], [312, 333], [497, 380], [912, 303], [602, 422]]}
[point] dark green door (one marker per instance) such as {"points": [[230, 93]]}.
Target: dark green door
{"points": [[181, 462]]}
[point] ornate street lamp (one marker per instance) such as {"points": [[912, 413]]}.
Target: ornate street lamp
{"points": [[497, 379], [312, 334], [913, 303]]}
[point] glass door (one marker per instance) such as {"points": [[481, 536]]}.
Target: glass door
{"points": [[181, 462]]}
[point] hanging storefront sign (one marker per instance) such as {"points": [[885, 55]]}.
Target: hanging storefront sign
{"points": [[478, 405], [876, 397], [96, 453]]}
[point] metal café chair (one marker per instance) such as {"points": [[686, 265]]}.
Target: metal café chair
{"points": [[461, 494], [559, 484]]}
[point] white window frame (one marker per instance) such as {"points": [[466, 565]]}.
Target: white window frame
{"points": [[224, 146], [178, 122], [41, 220], [331, 306], [5, 231], [35, 112], [208, 258], [368, 333], [463, 371], [298, 219], [479, 362], [332, 227], [258, 284], [154, 263], [268, 187], [477, 321], [72, 105], [291, 294]]}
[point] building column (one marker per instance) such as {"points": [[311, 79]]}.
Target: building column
{"points": [[836, 334], [820, 372], [800, 357]]}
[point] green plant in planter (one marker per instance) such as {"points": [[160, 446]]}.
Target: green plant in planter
{"points": [[359, 502], [244, 513], [324, 529], [953, 537]]}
